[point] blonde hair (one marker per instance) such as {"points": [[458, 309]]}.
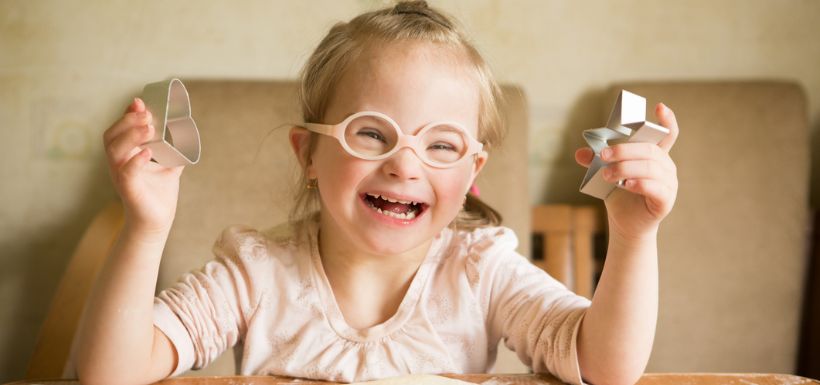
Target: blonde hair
{"points": [[345, 42]]}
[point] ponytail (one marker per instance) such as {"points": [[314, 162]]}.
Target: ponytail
{"points": [[476, 214]]}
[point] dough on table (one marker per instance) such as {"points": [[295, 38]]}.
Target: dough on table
{"points": [[416, 379]]}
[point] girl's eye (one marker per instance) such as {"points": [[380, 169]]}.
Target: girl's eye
{"points": [[371, 133], [442, 146]]}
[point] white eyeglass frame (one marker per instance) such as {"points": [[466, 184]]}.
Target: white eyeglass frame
{"points": [[402, 140]]}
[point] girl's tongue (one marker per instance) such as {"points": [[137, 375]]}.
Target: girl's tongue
{"points": [[395, 207], [398, 208]]}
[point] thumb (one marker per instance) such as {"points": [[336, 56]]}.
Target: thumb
{"points": [[176, 170], [133, 165], [584, 156], [666, 117]]}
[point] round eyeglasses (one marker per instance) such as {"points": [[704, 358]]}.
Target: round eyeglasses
{"points": [[371, 135]]}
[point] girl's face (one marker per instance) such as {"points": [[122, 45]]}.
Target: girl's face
{"points": [[415, 84]]}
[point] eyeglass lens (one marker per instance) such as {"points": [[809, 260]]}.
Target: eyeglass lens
{"points": [[374, 136]]}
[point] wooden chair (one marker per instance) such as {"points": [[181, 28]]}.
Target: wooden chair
{"points": [[567, 252], [53, 347]]}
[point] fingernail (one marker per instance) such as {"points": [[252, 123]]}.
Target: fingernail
{"points": [[607, 173], [141, 115], [606, 153]]}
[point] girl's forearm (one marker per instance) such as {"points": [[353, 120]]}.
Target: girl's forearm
{"points": [[616, 336], [116, 337]]}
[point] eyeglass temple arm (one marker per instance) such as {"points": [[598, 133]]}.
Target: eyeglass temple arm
{"points": [[326, 129], [475, 146]]}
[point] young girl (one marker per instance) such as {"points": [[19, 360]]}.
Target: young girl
{"points": [[388, 267]]}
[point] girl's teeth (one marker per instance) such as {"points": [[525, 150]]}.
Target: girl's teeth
{"points": [[391, 200], [407, 215]]}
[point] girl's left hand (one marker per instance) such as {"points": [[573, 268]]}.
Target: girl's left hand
{"points": [[651, 181]]}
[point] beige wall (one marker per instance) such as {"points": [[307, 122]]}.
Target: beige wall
{"points": [[67, 69]]}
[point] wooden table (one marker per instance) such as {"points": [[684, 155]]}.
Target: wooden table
{"points": [[494, 379]]}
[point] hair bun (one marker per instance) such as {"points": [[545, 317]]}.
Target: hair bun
{"points": [[420, 8], [415, 6]]}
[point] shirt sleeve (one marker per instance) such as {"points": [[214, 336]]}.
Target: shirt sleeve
{"points": [[206, 311], [536, 316]]}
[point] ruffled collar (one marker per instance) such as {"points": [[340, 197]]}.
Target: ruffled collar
{"points": [[405, 310]]}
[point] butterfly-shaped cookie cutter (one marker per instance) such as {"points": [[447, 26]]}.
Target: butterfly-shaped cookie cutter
{"points": [[627, 123], [176, 138]]}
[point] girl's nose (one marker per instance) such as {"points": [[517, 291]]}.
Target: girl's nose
{"points": [[403, 165]]}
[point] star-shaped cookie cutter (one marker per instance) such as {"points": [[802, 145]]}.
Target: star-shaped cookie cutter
{"points": [[176, 138], [627, 123]]}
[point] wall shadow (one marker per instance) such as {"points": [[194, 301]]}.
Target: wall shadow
{"points": [[566, 176], [814, 181], [808, 358]]}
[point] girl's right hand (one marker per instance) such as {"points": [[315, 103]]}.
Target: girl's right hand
{"points": [[149, 191]]}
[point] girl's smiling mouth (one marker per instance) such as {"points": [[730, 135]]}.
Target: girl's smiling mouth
{"points": [[396, 208]]}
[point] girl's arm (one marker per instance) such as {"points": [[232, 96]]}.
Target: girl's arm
{"points": [[617, 333], [118, 342]]}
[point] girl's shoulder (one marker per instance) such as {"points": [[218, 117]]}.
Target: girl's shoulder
{"points": [[482, 250], [251, 243], [485, 256], [486, 240]]}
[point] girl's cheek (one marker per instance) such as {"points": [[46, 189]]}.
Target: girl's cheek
{"points": [[334, 163], [340, 179], [451, 188]]}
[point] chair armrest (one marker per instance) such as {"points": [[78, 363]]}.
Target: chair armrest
{"points": [[54, 343]]}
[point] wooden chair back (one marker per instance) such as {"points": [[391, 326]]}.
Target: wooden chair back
{"points": [[567, 252]]}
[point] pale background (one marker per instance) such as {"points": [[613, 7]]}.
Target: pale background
{"points": [[67, 69]]}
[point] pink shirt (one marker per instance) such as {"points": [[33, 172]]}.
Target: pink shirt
{"points": [[267, 295]]}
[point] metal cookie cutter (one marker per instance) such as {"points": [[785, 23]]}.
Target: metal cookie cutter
{"points": [[627, 123], [176, 139]]}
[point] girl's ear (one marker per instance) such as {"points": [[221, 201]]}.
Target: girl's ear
{"points": [[478, 164], [300, 144]]}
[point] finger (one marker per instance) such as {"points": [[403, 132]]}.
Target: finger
{"points": [[632, 151], [136, 105], [635, 169], [666, 118], [584, 156], [129, 120], [123, 147], [637, 151]]}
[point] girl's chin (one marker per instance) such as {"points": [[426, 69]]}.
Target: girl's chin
{"points": [[381, 239], [393, 245]]}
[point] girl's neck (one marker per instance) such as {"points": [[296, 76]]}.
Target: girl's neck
{"points": [[351, 272], [340, 255]]}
